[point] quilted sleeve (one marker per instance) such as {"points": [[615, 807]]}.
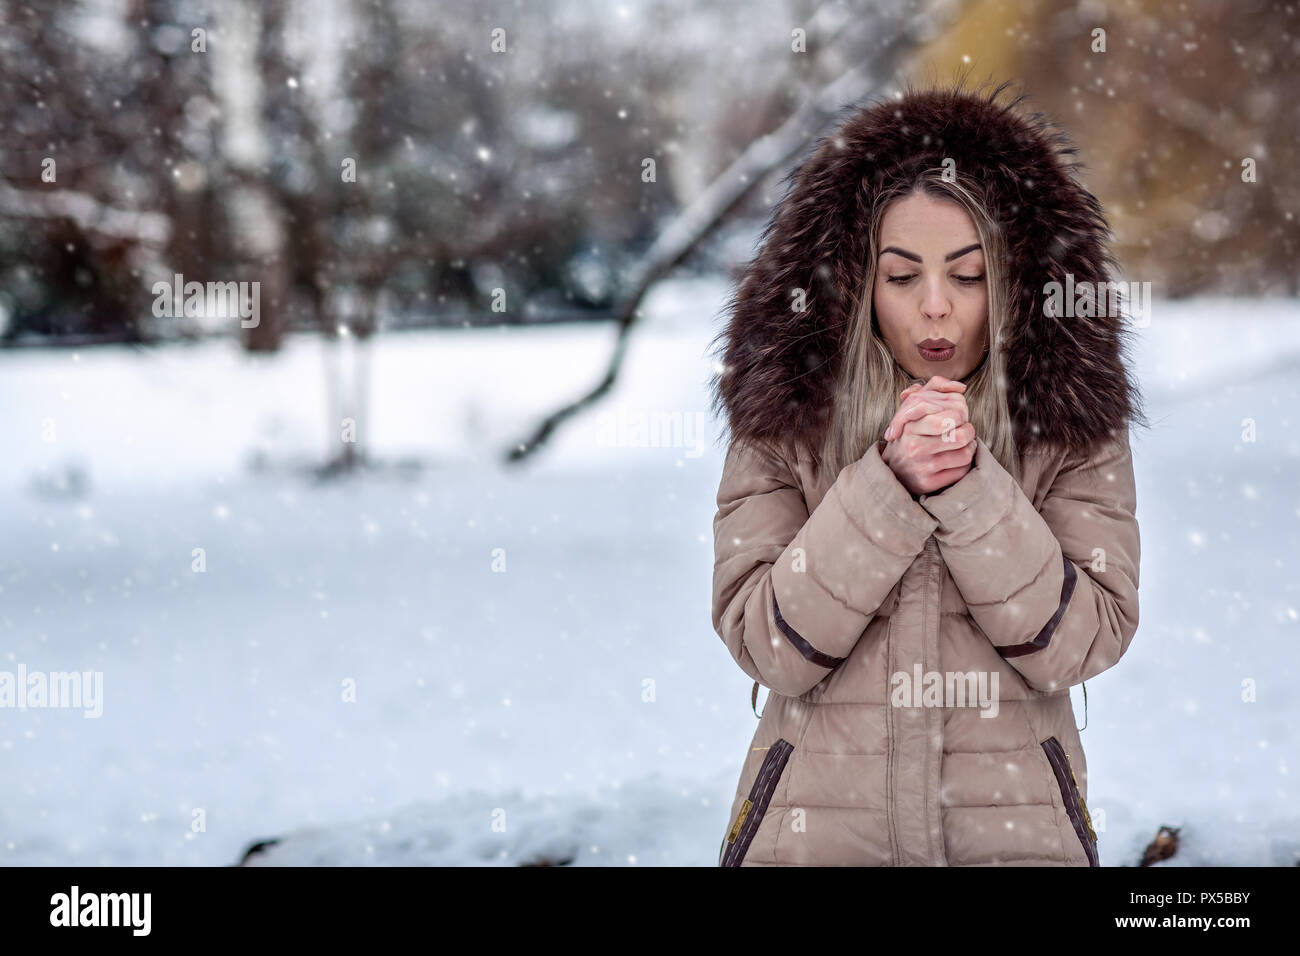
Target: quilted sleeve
{"points": [[793, 591], [1056, 590]]}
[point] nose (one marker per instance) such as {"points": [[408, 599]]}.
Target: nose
{"points": [[935, 304]]}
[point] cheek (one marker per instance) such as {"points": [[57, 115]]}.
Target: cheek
{"points": [[883, 304], [975, 319]]}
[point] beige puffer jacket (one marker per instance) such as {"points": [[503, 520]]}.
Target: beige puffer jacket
{"points": [[842, 594], [919, 652]]}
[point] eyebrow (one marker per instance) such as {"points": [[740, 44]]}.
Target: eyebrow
{"points": [[915, 258]]}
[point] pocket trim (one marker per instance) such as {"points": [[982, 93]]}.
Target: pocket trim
{"points": [[750, 815], [1075, 807]]}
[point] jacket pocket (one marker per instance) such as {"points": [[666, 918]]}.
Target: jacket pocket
{"points": [[1074, 805], [750, 815]]}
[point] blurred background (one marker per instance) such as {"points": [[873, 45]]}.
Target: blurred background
{"points": [[391, 537]]}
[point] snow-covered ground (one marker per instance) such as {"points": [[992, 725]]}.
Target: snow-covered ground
{"points": [[564, 697]]}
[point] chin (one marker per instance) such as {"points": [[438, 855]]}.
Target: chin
{"points": [[952, 369]]}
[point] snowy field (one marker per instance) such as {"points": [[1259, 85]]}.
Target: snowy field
{"points": [[520, 695]]}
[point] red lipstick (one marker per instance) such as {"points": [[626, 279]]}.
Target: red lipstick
{"points": [[936, 350]]}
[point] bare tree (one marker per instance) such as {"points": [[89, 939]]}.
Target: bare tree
{"points": [[710, 209]]}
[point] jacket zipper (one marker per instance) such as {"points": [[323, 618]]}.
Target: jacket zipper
{"points": [[1075, 807], [935, 567], [931, 551], [751, 812]]}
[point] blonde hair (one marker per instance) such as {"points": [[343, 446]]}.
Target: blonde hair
{"points": [[870, 378]]}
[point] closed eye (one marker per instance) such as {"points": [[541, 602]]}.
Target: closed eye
{"points": [[965, 280]]}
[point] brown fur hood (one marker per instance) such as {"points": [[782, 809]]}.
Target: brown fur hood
{"points": [[1067, 382]]}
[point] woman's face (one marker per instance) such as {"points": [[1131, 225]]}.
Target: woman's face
{"points": [[930, 285]]}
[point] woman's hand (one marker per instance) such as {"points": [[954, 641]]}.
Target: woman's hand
{"points": [[931, 442], [930, 398]]}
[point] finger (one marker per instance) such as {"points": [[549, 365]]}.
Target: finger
{"points": [[950, 454], [937, 383], [949, 476], [951, 399], [955, 399], [953, 390], [958, 458], [951, 434], [943, 400], [945, 469], [944, 388], [947, 392], [949, 429], [912, 410], [905, 414], [941, 383]]}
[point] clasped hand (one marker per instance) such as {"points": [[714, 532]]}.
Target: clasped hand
{"points": [[930, 441]]}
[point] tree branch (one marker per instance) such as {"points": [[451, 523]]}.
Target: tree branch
{"points": [[694, 223]]}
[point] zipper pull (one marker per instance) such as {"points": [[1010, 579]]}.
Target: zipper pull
{"points": [[1078, 795]]}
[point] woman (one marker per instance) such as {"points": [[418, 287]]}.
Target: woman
{"points": [[926, 528]]}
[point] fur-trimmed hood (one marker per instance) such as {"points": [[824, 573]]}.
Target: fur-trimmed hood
{"points": [[1066, 376]]}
